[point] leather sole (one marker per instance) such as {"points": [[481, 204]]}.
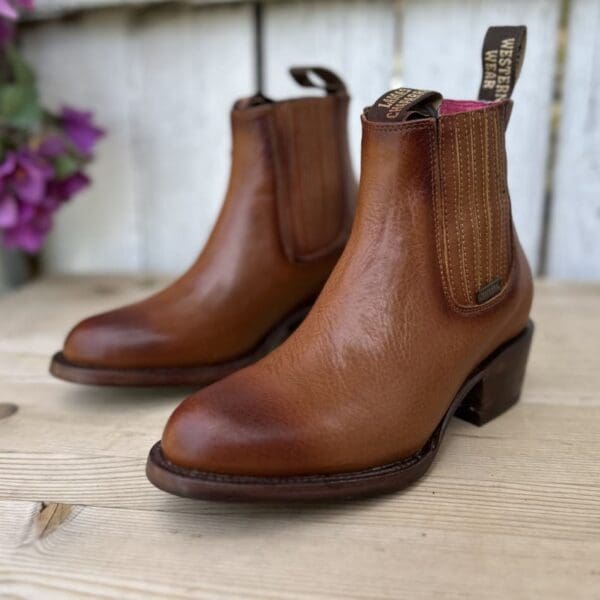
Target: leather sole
{"points": [[490, 390], [200, 375]]}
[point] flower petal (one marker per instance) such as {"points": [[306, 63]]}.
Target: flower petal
{"points": [[9, 212], [7, 10]]}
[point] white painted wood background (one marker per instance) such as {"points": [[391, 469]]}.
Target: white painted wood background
{"points": [[162, 80]]}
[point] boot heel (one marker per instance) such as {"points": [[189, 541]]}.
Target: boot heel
{"points": [[500, 385]]}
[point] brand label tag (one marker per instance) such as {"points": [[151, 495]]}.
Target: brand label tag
{"points": [[405, 104], [502, 57]]}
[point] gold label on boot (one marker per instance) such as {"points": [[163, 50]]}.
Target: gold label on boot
{"points": [[404, 104], [502, 57], [489, 290]]}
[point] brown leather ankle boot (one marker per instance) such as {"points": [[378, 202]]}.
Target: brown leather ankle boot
{"points": [[425, 316], [286, 218]]}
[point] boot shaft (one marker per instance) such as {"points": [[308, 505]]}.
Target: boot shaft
{"points": [[448, 175], [295, 155]]}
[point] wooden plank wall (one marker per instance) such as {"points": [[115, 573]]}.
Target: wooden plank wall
{"points": [[162, 80], [574, 240]]}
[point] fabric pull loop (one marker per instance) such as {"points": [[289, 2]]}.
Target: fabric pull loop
{"points": [[325, 79], [502, 58]]}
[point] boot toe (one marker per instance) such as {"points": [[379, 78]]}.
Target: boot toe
{"points": [[224, 429], [103, 340]]}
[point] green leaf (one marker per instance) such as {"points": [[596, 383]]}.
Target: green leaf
{"points": [[21, 71], [19, 106], [65, 166]]}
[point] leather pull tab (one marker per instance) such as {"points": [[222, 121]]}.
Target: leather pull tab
{"points": [[318, 77], [502, 57], [405, 104]]}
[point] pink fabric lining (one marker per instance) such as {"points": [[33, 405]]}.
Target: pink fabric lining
{"points": [[451, 107]]}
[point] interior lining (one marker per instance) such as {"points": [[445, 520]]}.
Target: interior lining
{"points": [[451, 107]]}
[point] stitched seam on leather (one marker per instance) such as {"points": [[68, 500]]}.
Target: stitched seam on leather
{"points": [[506, 209], [399, 128], [486, 187], [271, 133], [497, 199], [458, 211], [296, 207], [475, 202], [444, 264]]}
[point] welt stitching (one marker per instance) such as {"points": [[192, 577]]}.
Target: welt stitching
{"points": [[458, 211]]}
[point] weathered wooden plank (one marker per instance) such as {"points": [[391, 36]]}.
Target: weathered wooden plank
{"points": [[574, 244], [85, 63], [441, 49], [162, 82], [188, 66], [354, 37], [326, 551]]}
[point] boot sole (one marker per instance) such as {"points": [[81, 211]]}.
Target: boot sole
{"points": [[490, 390], [200, 375]]}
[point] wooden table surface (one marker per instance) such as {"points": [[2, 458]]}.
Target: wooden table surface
{"points": [[508, 511]]}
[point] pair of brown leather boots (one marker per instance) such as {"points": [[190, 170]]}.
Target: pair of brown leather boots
{"points": [[412, 310]]}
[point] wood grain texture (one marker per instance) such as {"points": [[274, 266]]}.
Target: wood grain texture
{"points": [[355, 38], [574, 244], [441, 49], [511, 510], [162, 82]]}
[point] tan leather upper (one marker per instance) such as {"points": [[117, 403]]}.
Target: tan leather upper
{"points": [[369, 374], [286, 217]]}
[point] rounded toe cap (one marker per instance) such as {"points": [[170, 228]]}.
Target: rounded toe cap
{"points": [[229, 430], [107, 340]]}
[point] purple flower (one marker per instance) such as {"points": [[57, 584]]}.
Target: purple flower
{"points": [[30, 232], [80, 129], [52, 146], [9, 211], [26, 174], [65, 189], [8, 165], [8, 9]]}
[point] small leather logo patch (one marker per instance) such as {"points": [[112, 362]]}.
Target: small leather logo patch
{"points": [[489, 290]]}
